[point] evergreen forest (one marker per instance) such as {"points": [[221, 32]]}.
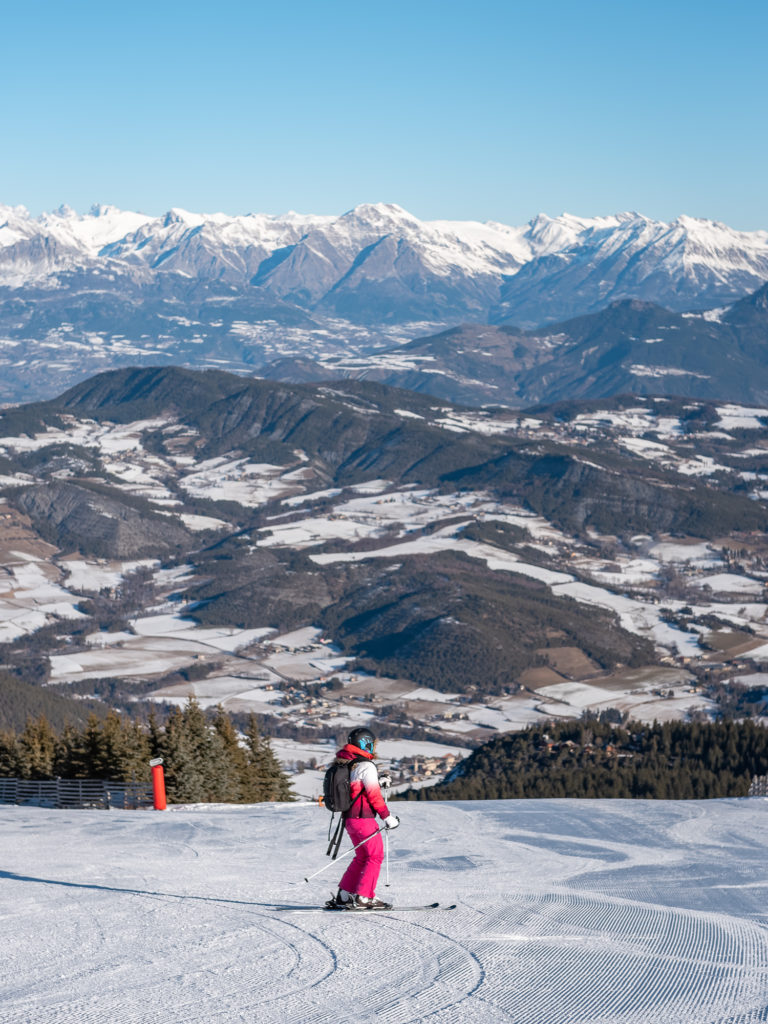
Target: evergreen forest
{"points": [[594, 759], [205, 760]]}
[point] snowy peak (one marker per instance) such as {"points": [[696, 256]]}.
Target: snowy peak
{"points": [[554, 234], [239, 291], [549, 269], [380, 215], [75, 238], [581, 265]]}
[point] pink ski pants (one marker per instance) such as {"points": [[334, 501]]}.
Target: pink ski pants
{"points": [[363, 873]]}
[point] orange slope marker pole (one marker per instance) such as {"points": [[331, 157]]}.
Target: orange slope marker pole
{"points": [[158, 783]]}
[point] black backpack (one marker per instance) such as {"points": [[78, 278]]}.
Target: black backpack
{"points": [[337, 796]]}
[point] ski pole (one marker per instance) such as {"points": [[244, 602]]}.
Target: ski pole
{"points": [[386, 844], [347, 852]]}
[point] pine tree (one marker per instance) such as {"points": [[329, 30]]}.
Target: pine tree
{"points": [[37, 749], [9, 755], [271, 782], [184, 755], [96, 746], [70, 754], [235, 778], [194, 755], [155, 735], [135, 754]]}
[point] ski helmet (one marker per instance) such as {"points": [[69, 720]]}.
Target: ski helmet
{"points": [[362, 738]]}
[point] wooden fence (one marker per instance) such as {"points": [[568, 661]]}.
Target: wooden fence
{"points": [[75, 793], [759, 786]]}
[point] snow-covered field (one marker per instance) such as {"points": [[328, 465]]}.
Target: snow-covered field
{"points": [[615, 912], [160, 643], [29, 595]]}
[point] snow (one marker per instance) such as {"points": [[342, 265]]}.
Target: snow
{"points": [[632, 423], [701, 465], [644, 448], [14, 624], [636, 616], [99, 227], [633, 570], [729, 583], [109, 663], [225, 479], [159, 644], [28, 596], [17, 480], [636, 420], [688, 246], [478, 423], [759, 653], [664, 371], [698, 555], [235, 693], [572, 698], [222, 638], [109, 438], [754, 613], [445, 540], [427, 693], [84, 575], [297, 639], [368, 516], [315, 530], [577, 695], [594, 912], [300, 499], [194, 522], [738, 417], [753, 680]]}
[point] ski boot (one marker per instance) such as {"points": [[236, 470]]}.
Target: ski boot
{"points": [[343, 900], [370, 903]]}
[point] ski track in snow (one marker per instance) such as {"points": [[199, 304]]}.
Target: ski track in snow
{"points": [[591, 912]]}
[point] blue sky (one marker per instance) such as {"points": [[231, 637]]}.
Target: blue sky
{"points": [[475, 110]]}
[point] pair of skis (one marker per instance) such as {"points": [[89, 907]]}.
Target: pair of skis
{"points": [[364, 913]]}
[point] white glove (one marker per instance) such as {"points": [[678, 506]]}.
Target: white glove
{"points": [[385, 780], [392, 821]]}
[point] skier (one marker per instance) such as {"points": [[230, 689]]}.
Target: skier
{"points": [[357, 888]]}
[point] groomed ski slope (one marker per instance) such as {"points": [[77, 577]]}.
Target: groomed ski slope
{"points": [[616, 912]]}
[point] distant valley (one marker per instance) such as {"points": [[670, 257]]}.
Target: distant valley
{"points": [[326, 554], [632, 347]]}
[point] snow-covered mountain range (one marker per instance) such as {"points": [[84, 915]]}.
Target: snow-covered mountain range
{"points": [[379, 262], [81, 293]]}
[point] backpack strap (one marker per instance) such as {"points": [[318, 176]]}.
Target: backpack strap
{"points": [[335, 839]]}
